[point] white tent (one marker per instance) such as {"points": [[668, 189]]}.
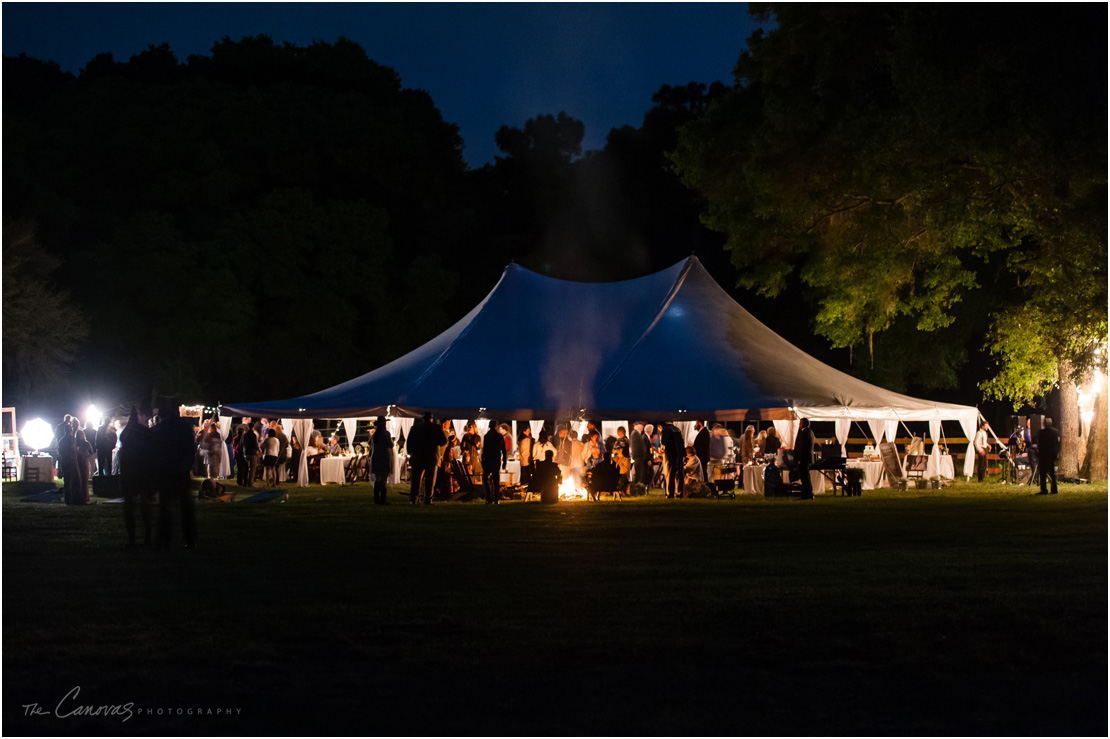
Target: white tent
{"points": [[669, 345]]}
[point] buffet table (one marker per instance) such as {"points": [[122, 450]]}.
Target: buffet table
{"points": [[873, 473]]}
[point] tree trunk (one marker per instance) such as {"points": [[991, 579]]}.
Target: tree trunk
{"points": [[1068, 423], [1094, 465]]}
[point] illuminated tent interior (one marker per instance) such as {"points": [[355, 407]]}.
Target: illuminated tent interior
{"points": [[670, 345]]}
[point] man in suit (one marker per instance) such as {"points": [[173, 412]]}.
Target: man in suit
{"points": [[1048, 449], [174, 445], [425, 439], [701, 448], [803, 454], [105, 443], [674, 449], [136, 470], [494, 459], [638, 446]]}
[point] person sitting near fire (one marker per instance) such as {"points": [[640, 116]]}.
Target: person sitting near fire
{"points": [[547, 478], [601, 477], [593, 460], [694, 484]]}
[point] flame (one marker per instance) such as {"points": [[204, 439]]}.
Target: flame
{"points": [[567, 491]]}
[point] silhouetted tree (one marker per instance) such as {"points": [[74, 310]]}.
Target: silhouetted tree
{"points": [[43, 330], [221, 216]]}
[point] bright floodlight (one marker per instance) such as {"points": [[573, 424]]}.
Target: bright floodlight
{"points": [[37, 433], [92, 415]]}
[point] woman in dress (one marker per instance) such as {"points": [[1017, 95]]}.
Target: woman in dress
{"points": [[747, 445], [215, 446], [472, 447], [381, 459], [446, 484], [269, 458], [85, 456], [524, 452]]}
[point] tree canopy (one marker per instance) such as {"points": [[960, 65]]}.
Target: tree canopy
{"points": [[895, 159]]}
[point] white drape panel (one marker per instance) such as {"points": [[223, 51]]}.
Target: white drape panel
{"points": [[225, 458], [891, 432], [350, 425], [687, 428], [459, 424], [786, 431], [934, 433], [609, 428], [398, 426], [968, 424], [483, 426], [537, 427], [843, 427], [302, 427], [876, 429]]}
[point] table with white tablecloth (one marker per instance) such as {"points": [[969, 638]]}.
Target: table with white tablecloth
{"points": [[511, 474], [753, 480], [873, 473], [334, 469], [43, 467], [947, 470]]}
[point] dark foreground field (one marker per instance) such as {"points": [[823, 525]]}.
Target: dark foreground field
{"points": [[968, 611]]}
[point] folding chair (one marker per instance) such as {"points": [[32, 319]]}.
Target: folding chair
{"points": [[351, 473]]}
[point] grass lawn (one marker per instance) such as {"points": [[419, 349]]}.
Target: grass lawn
{"points": [[971, 610]]}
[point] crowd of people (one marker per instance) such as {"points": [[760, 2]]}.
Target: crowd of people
{"points": [[161, 454], [84, 450], [443, 462]]}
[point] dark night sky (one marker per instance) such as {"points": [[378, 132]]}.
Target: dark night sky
{"points": [[485, 65]]}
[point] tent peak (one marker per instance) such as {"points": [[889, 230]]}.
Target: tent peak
{"points": [[677, 268]]}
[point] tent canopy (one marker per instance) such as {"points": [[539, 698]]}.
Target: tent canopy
{"points": [[669, 345]]}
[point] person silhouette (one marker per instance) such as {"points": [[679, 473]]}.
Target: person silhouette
{"points": [[1048, 448], [547, 477], [173, 445], [136, 455]]}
